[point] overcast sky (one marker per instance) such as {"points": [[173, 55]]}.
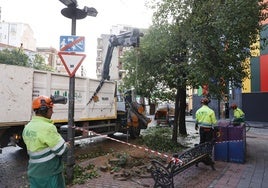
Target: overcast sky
{"points": [[47, 23]]}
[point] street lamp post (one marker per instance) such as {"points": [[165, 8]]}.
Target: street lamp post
{"points": [[73, 13]]}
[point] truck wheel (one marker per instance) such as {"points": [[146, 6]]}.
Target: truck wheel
{"points": [[134, 132], [22, 144], [4, 139]]}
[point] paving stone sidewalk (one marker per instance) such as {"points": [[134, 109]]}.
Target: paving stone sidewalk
{"points": [[252, 174]]}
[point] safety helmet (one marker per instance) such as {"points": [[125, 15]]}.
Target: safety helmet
{"points": [[233, 106], [42, 103], [205, 101]]}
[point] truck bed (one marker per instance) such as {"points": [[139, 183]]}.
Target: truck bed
{"points": [[19, 85]]}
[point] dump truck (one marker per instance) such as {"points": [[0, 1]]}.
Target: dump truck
{"points": [[98, 105]]}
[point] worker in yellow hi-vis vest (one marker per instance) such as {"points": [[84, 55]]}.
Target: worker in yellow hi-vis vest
{"points": [[205, 121], [239, 115], [45, 146]]}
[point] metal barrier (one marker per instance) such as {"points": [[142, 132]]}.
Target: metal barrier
{"points": [[163, 175]]}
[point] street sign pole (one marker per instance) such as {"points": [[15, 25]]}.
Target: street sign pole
{"points": [[72, 12], [70, 154], [71, 62]]}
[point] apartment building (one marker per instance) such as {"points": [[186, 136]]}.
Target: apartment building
{"points": [[116, 68], [20, 35], [17, 35]]}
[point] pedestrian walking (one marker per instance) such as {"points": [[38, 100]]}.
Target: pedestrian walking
{"points": [[45, 147], [205, 121]]}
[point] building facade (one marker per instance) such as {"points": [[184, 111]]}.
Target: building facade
{"points": [[20, 36], [255, 88], [116, 68], [17, 35]]}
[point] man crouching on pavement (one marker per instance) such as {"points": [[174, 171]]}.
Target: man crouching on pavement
{"points": [[45, 146]]}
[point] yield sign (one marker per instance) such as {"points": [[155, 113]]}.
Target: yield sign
{"points": [[71, 61]]}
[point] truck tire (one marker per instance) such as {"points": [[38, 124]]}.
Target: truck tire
{"points": [[22, 144], [134, 132], [4, 139]]}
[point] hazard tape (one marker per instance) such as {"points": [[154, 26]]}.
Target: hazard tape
{"points": [[171, 158]]}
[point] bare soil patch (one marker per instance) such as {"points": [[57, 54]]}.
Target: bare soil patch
{"points": [[119, 160]]}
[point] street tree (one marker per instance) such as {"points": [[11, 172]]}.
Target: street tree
{"points": [[20, 58], [221, 34], [143, 66], [39, 63], [214, 37], [160, 69], [14, 57], [176, 64]]}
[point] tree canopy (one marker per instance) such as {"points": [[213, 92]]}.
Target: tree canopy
{"points": [[18, 57], [218, 37], [195, 43]]}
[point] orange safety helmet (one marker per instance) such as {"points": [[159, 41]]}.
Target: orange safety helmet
{"points": [[42, 103], [233, 106]]}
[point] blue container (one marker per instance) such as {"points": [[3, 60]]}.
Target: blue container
{"points": [[221, 134], [236, 133], [221, 151], [237, 151]]}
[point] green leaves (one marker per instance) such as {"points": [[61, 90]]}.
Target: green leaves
{"points": [[18, 57], [159, 138], [221, 33], [38, 63], [14, 57]]}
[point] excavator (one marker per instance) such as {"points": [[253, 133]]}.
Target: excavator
{"points": [[130, 113]]}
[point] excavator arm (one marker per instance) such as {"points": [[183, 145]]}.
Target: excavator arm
{"points": [[126, 39], [135, 119]]}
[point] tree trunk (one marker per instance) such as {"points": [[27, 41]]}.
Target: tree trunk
{"points": [[176, 115], [182, 104]]}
